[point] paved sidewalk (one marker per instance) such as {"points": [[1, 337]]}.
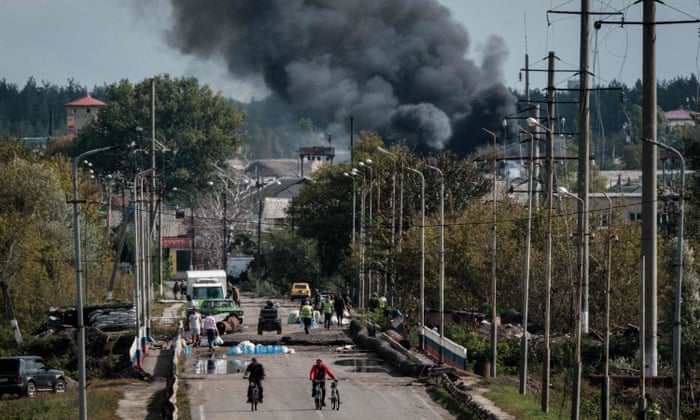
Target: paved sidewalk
{"points": [[158, 363]]}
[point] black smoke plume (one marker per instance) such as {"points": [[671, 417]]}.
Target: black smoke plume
{"points": [[398, 67]]}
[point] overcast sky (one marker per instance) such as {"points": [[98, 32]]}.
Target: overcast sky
{"points": [[104, 41]]}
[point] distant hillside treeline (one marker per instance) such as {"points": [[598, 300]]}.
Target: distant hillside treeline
{"points": [[38, 110]]}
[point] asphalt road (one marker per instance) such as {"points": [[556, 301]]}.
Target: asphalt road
{"points": [[369, 389]]}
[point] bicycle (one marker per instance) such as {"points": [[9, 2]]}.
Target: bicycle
{"points": [[335, 396], [253, 395], [318, 394]]}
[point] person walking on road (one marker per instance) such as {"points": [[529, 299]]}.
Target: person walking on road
{"points": [[209, 325], [306, 314], [339, 305], [195, 320], [317, 300], [327, 308]]}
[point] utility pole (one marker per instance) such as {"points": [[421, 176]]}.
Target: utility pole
{"points": [[649, 190], [224, 256], [584, 153], [259, 185], [583, 187], [546, 370], [494, 325]]}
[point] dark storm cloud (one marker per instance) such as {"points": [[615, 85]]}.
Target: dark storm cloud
{"points": [[396, 66]]}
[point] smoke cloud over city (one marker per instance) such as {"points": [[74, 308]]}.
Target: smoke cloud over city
{"points": [[398, 67]]}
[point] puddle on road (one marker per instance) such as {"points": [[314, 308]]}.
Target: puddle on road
{"points": [[362, 365], [222, 364]]}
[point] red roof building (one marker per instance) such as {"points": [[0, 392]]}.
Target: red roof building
{"points": [[81, 111], [678, 117]]}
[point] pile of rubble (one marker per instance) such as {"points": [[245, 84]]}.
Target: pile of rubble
{"points": [[113, 317]]}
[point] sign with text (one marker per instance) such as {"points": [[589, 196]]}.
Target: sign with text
{"points": [[176, 243]]}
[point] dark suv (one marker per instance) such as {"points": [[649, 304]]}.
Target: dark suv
{"points": [[25, 375]]}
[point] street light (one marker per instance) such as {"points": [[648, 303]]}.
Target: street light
{"points": [[355, 172], [526, 279], [260, 185], [422, 255], [354, 194], [367, 164], [192, 247], [79, 285], [494, 328], [576, 398], [393, 213], [605, 398], [442, 259], [142, 271], [679, 285], [546, 368]]}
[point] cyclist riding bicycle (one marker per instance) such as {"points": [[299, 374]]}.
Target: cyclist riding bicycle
{"points": [[255, 372], [318, 373]]}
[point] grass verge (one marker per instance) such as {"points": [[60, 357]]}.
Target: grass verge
{"points": [[508, 398], [102, 404]]}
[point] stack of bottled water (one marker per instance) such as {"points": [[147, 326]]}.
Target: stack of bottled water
{"points": [[246, 347]]}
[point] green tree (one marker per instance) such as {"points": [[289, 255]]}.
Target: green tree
{"points": [[35, 227], [322, 211], [290, 258], [200, 130]]}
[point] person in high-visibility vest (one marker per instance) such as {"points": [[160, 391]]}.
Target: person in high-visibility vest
{"points": [[306, 314], [382, 303], [327, 308]]}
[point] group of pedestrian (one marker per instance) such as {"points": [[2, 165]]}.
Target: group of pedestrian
{"points": [[197, 325], [179, 289], [377, 302], [328, 306]]}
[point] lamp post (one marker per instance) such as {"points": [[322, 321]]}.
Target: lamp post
{"points": [[224, 257], [79, 285], [546, 368], [442, 260], [259, 184], [366, 164], [526, 279], [679, 286], [422, 255], [576, 398], [361, 302], [354, 194], [141, 264], [494, 327], [192, 247], [393, 213], [605, 398]]}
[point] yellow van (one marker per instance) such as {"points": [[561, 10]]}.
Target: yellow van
{"points": [[300, 291]]}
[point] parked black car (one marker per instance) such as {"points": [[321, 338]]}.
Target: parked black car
{"points": [[25, 375]]}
